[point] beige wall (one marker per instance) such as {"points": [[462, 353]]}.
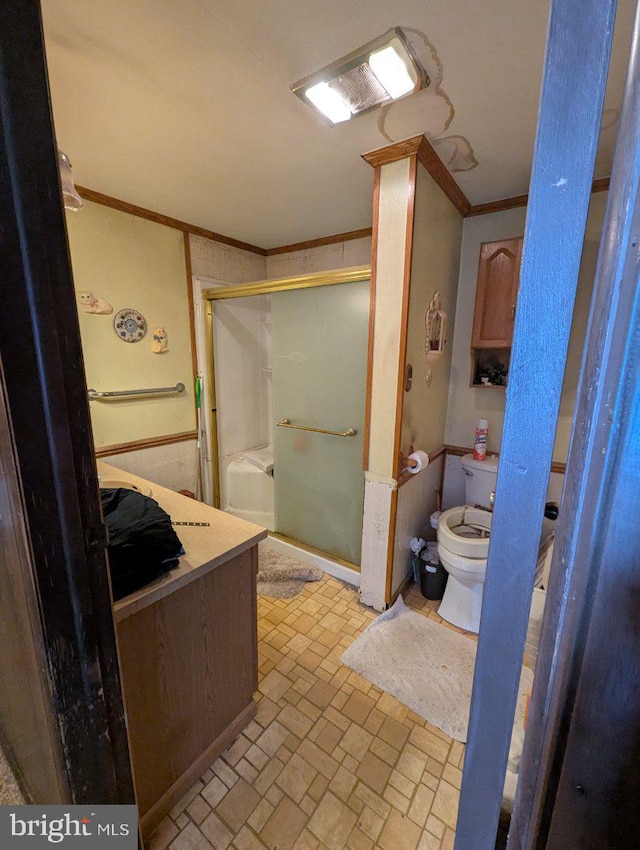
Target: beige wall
{"points": [[435, 263], [466, 404], [132, 262]]}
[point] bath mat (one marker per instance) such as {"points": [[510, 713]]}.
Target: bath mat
{"points": [[282, 576], [425, 665], [10, 794]]}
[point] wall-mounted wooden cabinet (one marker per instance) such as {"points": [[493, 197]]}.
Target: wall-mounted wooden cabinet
{"points": [[495, 309]]}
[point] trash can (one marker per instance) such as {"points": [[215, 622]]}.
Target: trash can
{"points": [[433, 576]]}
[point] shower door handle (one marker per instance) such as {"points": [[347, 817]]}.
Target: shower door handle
{"points": [[285, 423]]}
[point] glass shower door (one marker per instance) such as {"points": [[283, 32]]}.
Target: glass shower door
{"points": [[319, 382]]}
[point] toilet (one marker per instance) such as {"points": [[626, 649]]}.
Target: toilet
{"points": [[463, 544]]}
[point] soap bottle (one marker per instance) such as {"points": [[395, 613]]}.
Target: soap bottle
{"points": [[480, 440]]}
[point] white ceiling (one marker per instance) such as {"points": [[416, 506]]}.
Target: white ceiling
{"points": [[184, 107]]}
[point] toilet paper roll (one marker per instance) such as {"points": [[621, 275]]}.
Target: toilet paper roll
{"points": [[422, 460]]}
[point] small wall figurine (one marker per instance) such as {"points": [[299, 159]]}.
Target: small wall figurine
{"points": [[160, 342], [435, 328], [92, 304]]}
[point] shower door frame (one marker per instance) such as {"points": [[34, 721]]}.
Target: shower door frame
{"points": [[353, 274]]}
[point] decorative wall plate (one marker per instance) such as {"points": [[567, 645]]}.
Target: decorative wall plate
{"points": [[130, 325]]}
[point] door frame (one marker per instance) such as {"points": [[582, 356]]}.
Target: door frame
{"points": [[47, 407], [51, 427], [574, 82], [588, 663]]}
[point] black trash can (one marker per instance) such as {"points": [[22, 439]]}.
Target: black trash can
{"points": [[433, 578]]}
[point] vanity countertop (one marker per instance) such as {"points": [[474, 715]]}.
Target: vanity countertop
{"points": [[206, 547]]}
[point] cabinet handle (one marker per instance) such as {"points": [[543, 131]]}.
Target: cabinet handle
{"points": [[513, 311]]}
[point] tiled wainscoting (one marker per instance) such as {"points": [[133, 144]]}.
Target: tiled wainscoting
{"points": [[337, 255], [416, 503], [172, 466], [330, 760], [376, 524]]}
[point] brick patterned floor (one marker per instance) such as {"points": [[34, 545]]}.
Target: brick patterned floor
{"points": [[330, 760]]}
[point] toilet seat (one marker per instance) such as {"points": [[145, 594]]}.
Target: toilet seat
{"points": [[457, 544]]}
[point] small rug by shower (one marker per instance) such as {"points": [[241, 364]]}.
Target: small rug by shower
{"points": [[425, 665], [282, 576], [10, 794]]}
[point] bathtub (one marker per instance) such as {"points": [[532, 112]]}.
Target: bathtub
{"points": [[249, 494], [249, 486]]}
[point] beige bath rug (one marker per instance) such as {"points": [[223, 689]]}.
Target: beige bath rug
{"points": [[282, 576], [425, 665], [10, 794]]}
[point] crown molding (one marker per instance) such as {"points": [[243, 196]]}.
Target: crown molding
{"points": [[428, 157], [317, 243], [393, 152], [418, 146], [599, 185], [168, 221], [499, 205], [421, 147]]}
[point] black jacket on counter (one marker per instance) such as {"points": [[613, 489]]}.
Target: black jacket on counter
{"points": [[142, 542]]}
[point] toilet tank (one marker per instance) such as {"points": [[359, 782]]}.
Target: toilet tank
{"points": [[479, 479]]}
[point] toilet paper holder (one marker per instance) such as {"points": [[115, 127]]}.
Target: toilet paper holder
{"points": [[414, 462], [408, 462]]}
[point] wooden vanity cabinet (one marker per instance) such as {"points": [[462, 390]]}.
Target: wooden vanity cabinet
{"points": [[495, 306], [188, 650], [189, 672]]}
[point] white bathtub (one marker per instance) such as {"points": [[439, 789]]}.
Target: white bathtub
{"points": [[249, 486], [249, 494]]}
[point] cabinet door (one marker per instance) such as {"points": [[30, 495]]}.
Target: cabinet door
{"points": [[497, 289]]}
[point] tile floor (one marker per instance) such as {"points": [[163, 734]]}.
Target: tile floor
{"points": [[330, 760]]}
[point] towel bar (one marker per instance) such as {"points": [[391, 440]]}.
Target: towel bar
{"points": [[350, 432]]}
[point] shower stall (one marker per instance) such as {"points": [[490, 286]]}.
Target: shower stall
{"points": [[286, 406]]}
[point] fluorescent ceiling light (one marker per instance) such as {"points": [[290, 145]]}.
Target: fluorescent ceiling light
{"points": [[392, 72], [329, 102], [379, 72]]}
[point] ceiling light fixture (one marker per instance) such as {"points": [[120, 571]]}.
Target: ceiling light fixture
{"points": [[379, 72], [329, 102], [70, 197]]}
